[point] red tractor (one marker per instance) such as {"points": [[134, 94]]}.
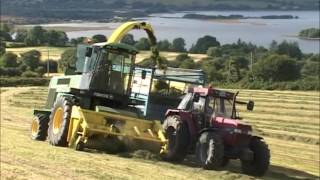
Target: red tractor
{"points": [[206, 123]]}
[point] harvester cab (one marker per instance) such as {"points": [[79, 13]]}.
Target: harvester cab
{"points": [[107, 70]]}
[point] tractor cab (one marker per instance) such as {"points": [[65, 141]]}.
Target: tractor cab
{"points": [[208, 104]]}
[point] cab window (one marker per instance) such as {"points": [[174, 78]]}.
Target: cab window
{"points": [[220, 107], [120, 62]]}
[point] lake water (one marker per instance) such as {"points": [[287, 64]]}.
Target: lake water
{"points": [[257, 31]]}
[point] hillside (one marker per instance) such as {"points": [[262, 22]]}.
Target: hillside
{"points": [[293, 142], [41, 11]]}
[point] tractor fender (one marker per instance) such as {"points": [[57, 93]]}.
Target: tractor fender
{"points": [[257, 137], [186, 117], [215, 130], [71, 97]]}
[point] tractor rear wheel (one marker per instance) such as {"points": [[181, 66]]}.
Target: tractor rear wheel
{"points": [[210, 151], [177, 133], [225, 162], [59, 121], [39, 127], [261, 158]]}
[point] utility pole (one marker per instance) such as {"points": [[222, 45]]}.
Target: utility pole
{"points": [[251, 60], [48, 64]]}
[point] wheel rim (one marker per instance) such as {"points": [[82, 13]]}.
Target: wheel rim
{"points": [[57, 120], [204, 153], [34, 127]]}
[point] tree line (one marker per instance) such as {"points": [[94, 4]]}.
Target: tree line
{"points": [[310, 33], [240, 64], [36, 36], [245, 65]]}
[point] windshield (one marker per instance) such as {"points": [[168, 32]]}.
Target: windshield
{"points": [[221, 107], [113, 71], [120, 62]]}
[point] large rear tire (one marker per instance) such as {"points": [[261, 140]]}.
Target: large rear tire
{"points": [[210, 151], [39, 127], [59, 121], [178, 136], [261, 158]]}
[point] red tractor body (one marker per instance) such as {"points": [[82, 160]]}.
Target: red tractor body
{"points": [[206, 122]]}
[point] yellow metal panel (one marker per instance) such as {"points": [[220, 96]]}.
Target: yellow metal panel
{"points": [[122, 125], [74, 124], [118, 34], [135, 132]]}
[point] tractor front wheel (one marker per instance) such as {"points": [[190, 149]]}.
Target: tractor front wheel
{"points": [[39, 127], [210, 151], [177, 133], [59, 121], [261, 158]]}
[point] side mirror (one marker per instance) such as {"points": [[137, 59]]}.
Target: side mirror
{"points": [[143, 74], [196, 97], [250, 105], [88, 52]]}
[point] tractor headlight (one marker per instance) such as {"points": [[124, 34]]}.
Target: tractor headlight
{"points": [[240, 131]]}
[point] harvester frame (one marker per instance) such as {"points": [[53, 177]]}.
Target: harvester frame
{"points": [[104, 96]]}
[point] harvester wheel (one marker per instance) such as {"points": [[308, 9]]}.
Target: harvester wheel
{"points": [[59, 121], [39, 127], [80, 146], [177, 133], [210, 151], [261, 158]]}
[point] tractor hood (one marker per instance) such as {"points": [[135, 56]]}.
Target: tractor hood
{"points": [[233, 125]]}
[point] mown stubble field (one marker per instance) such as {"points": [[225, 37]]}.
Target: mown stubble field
{"points": [[288, 120]]}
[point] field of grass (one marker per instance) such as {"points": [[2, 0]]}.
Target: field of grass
{"points": [[288, 120], [168, 55], [55, 53]]}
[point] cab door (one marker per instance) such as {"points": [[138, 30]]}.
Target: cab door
{"points": [[100, 78]]}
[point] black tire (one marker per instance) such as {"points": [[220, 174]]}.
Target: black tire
{"points": [[210, 151], [261, 158], [39, 127], [57, 132], [178, 136], [80, 146], [225, 162]]}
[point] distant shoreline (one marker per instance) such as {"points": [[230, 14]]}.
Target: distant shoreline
{"points": [[304, 38], [236, 16], [309, 39]]}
